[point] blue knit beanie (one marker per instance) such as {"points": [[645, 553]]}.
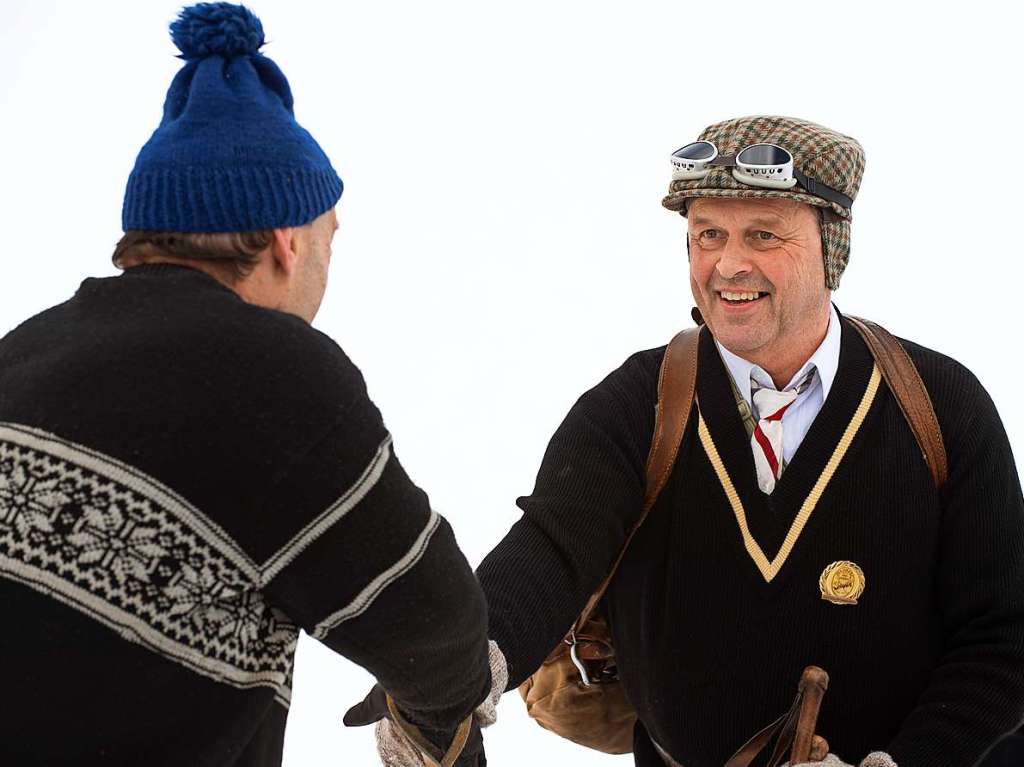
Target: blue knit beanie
{"points": [[228, 155]]}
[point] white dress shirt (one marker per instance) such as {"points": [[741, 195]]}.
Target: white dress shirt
{"points": [[797, 420]]}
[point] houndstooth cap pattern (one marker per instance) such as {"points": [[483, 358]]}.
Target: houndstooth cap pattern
{"points": [[819, 152]]}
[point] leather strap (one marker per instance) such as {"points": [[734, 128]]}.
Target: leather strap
{"points": [[666, 757], [676, 386], [753, 747], [793, 731], [427, 749], [677, 383], [823, 191], [905, 383]]}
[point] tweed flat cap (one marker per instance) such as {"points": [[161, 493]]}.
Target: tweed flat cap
{"points": [[820, 153]]}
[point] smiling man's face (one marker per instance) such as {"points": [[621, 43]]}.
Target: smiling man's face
{"points": [[757, 276]]}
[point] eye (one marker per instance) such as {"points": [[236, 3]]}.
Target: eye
{"points": [[764, 236], [708, 239]]}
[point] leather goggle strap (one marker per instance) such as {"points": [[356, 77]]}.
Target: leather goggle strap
{"points": [[823, 191], [677, 382], [811, 185], [427, 749]]}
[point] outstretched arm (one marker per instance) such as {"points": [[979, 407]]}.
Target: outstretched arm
{"points": [[376, 575], [588, 494]]}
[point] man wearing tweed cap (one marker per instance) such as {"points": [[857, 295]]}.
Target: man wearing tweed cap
{"points": [[801, 523]]}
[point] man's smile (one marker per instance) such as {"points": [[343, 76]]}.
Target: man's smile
{"points": [[740, 299]]}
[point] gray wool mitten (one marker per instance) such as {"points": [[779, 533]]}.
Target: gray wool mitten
{"points": [[396, 750], [393, 748], [874, 759], [487, 712], [878, 759]]}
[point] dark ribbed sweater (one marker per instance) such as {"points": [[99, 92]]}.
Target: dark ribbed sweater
{"points": [[929, 665], [185, 481]]}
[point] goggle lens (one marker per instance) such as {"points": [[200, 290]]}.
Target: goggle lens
{"points": [[766, 165], [764, 154], [698, 150]]}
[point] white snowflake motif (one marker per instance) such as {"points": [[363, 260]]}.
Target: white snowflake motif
{"points": [[241, 618], [215, 607], [28, 503], [127, 552], [112, 540], [279, 629]]}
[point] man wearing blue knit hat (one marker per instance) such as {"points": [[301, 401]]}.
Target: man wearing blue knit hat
{"points": [[189, 473]]}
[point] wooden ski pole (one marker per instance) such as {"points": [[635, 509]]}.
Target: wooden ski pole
{"points": [[813, 683]]}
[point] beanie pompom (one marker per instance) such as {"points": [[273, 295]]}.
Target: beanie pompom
{"points": [[228, 155], [216, 29]]}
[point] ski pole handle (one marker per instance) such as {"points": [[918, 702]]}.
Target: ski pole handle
{"points": [[813, 683]]}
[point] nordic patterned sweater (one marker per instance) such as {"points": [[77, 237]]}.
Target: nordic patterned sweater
{"points": [[713, 625], [187, 480]]}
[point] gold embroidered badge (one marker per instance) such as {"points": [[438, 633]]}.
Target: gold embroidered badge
{"points": [[842, 583]]}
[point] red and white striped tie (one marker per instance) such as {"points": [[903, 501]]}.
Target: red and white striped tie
{"points": [[769, 407]]}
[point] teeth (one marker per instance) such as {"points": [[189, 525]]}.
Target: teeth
{"points": [[739, 296]]}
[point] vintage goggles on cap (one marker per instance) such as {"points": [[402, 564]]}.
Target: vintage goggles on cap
{"points": [[764, 165]]}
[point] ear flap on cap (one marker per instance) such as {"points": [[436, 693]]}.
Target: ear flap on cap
{"points": [[835, 246]]}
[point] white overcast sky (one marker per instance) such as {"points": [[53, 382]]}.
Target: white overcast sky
{"points": [[502, 243]]}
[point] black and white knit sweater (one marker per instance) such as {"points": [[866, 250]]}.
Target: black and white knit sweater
{"points": [[713, 626], [185, 482]]}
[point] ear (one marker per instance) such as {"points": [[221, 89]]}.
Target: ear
{"points": [[283, 250]]}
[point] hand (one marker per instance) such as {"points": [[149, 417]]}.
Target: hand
{"points": [[830, 760], [486, 713], [874, 759], [393, 747], [396, 748]]}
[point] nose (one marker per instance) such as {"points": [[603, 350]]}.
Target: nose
{"points": [[734, 260]]}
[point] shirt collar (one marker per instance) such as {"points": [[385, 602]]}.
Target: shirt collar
{"points": [[825, 359]]}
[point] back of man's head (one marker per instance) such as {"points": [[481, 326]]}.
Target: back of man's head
{"points": [[228, 172]]}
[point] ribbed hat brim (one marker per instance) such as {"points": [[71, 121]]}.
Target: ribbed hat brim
{"points": [[195, 199]]}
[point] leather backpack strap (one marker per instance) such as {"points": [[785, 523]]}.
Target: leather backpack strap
{"points": [[905, 382], [677, 383]]}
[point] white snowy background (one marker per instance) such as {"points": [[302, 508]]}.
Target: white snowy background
{"points": [[502, 243]]}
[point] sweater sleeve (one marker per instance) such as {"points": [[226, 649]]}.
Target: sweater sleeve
{"points": [[588, 493], [375, 574], [976, 694]]}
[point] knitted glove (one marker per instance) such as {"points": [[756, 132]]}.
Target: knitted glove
{"points": [[874, 759], [394, 747], [486, 713]]}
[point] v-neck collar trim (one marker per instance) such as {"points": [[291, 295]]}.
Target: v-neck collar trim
{"points": [[769, 517], [770, 568]]}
